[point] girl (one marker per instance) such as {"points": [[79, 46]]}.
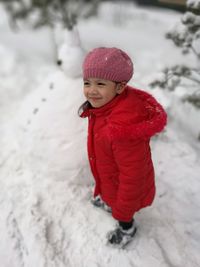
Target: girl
{"points": [[121, 121]]}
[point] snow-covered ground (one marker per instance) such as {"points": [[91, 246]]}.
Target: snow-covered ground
{"points": [[45, 182]]}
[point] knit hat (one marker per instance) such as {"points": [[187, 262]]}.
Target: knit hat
{"points": [[108, 63]]}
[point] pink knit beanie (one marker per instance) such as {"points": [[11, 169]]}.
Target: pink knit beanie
{"points": [[108, 63]]}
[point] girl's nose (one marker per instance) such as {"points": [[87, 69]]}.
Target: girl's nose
{"points": [[92, 90]]}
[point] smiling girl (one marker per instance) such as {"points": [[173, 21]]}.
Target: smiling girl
{"points": [[121, 121]]}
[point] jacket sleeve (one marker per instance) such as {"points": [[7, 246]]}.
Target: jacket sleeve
{"points": [[131, 157]]}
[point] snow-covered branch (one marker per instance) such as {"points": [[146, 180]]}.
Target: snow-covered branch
{"points": [[186, 35], [194, 4]]}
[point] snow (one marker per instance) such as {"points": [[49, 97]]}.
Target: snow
{"points": [[46, 185], [193, 3], [71, 54]]}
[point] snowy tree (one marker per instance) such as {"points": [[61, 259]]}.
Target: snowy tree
{"points": [[62, 17], [185, 35], [48, 12]]}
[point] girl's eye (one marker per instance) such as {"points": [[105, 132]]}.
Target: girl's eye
{"points": [[101, 84], [86, 83]]}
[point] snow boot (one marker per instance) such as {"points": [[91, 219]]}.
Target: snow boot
{"points": [[120, 237], [98, 202]]}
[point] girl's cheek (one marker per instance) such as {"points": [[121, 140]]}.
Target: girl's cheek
{"points": [[85, 91]]}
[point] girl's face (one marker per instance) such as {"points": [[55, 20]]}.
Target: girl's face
{"points": [[99, 91]]}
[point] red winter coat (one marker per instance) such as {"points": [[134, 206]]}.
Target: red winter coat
{"points": [[119, 151]]}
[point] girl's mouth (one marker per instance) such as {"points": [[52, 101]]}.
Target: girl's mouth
{"points": [[94, 98]]}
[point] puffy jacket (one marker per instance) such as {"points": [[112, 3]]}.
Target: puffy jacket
{"points": [[119, 151]]}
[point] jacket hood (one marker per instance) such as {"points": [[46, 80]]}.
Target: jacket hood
{"points": [[133, 114]]}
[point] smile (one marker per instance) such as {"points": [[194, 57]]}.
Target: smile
{"points": [[94, 98]]}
